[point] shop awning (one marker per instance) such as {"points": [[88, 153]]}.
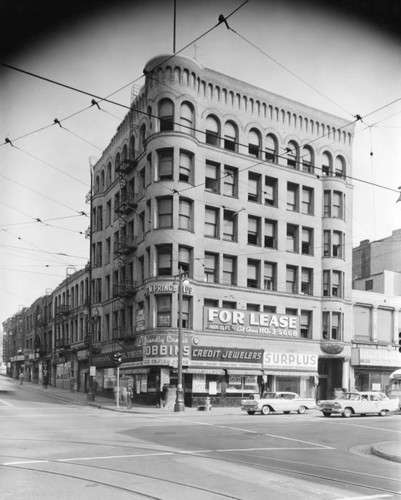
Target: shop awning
{"points": [[294, 373], [396, 375], [204, 371], [245, 372], [134, 371]]}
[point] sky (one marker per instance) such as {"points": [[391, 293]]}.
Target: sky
{"points": [[332, 58]]}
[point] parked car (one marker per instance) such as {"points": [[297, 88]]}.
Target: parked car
{"points": [[361, 403], [277, 402]]}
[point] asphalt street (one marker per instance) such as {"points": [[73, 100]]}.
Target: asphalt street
{"points": [[54, 443]]}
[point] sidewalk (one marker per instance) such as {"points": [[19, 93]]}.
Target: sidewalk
{"points": [[388, 450], [100, 401]]}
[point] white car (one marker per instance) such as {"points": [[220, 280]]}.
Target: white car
{"points": [[361, 403], [280, 401]]}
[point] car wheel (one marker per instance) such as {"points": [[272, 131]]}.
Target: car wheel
{"points": [[383, 413], [301, 409], [265, 410], [327, 413], [251, 413], [347, 412], [286, 412]]}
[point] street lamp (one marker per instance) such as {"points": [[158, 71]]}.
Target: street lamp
{"points": [[179, 401]]}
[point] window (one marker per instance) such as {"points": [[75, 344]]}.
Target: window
{"points": [[166, 115], [307, 200], [337, 202], [333, 205], [186, 169], [307, 241], [108, 250], [211, 222], [332, 325], [307, 281], [210, 303], [184, 258], [187, 118], [165, 212], [306, 324], [269, 276], [292, 238], [185, 214], [270, 233], [307, 159], [108, 213], [292, 154], [212, 177], [253, 230], [291, 279], [141, 228], [254, 143], [229, 270], [163, 307], [271, 148], [339, 167], [165, 164], [270, 309], [337, 244], [229, 226], [230, 136], [164, 260], [326, 283], [185, 313], [254, 190], [212, 131], [368, 285], [292, 197], [327, 164], [211, 268], [253, 274], [270, 192], [230, 181], [336, 285], [326, 243]]}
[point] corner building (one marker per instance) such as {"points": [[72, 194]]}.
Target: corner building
{"points": [[247, 193]]}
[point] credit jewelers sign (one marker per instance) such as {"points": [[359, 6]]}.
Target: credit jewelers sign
{"points": [[227, 356], [252, 322]]}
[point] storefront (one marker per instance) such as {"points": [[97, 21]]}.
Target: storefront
{"points": [[373, 366]]}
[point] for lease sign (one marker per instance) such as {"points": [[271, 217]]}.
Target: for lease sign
{"points": [[250, 322]]}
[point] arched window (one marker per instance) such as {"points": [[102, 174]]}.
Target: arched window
{"points": [[117, 163], [307, 159], [125, 152], [254, 142], [143, 137], [212, 131], [97, 184], [327, 164], [132, 148], [166, 115], [271, 148], [230, 136], [292, 154], [339, 167], [187, 119], [102, 185], [108, 175]]}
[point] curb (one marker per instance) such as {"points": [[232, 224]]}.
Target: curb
{"points": [[379, 451]]}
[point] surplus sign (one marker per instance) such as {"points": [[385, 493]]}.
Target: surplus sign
{"points": [[250, 322]]}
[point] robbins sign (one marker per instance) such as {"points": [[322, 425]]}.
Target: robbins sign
{"points": [[251, 322]]}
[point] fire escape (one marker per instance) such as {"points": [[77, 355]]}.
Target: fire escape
{"points": [[124, 288]]}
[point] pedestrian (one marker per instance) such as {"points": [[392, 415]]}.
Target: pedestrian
{"points": [[45, 381], [21, 378], [130, 395]]}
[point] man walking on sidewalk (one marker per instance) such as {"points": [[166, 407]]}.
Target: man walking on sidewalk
{"points": [[21, 378]]}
